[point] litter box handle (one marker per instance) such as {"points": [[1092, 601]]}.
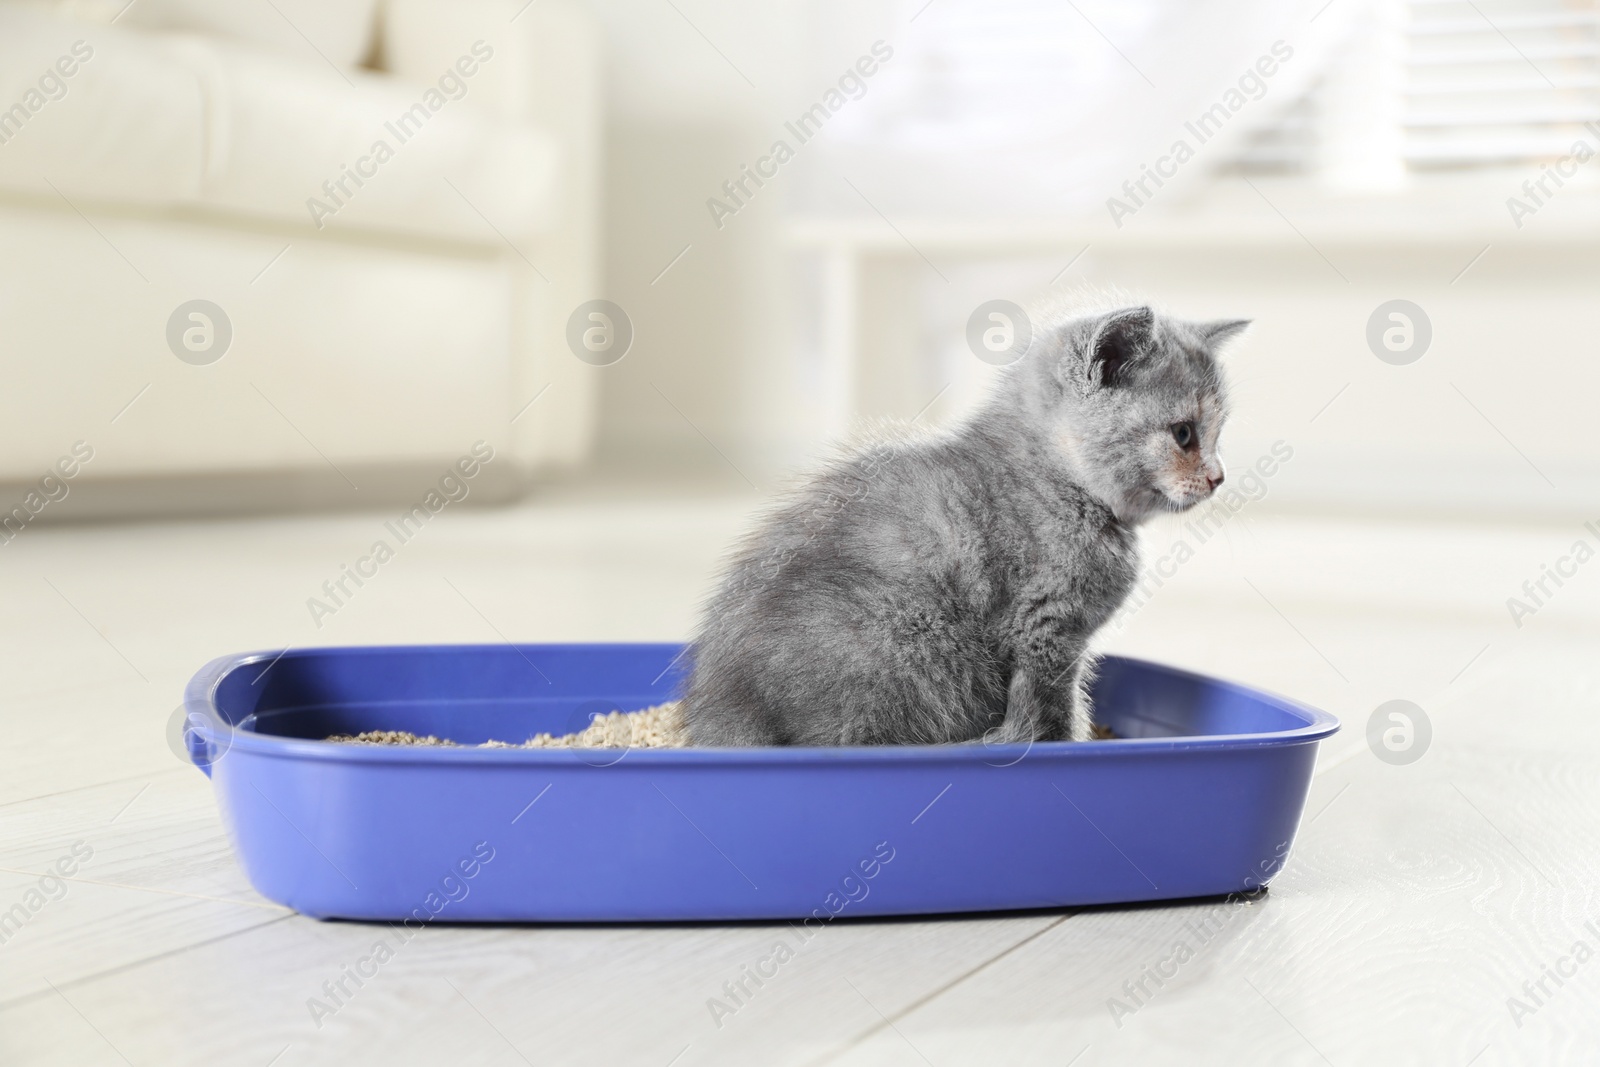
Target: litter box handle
{"points": [[198, 734]]}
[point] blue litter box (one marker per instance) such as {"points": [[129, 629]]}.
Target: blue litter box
{"points": [[1200, 795]]}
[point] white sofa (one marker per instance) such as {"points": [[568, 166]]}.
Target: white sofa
{"points": [[394, 203]]}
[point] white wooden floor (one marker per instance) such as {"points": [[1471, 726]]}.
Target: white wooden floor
{"points": [[1418, 900]]}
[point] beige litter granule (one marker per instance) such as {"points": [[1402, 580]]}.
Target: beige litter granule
{"points": [[656, 727]]}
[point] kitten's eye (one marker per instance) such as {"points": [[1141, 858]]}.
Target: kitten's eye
{"points": [[1183, 433]]}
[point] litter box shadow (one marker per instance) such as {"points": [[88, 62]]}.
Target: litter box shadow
{"points": [[1044, 910]]}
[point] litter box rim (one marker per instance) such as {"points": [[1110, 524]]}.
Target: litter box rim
{"points": [[211, 735]]}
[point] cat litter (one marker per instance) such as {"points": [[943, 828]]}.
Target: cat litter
{"points": [[656, 727]]}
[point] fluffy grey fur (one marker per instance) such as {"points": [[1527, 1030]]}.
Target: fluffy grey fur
{"points": [[945, 588]]}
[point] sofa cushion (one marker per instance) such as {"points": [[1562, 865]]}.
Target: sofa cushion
{"points": [[158, 120], [340, 31], [120, 121]]}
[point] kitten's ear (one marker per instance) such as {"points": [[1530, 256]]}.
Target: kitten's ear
{"points": [[1118, 339], [1221, 331]]}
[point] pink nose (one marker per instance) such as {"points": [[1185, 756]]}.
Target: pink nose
{"points": [[1214, 482]]}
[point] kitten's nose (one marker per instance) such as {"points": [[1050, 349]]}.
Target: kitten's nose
{"points": [[1214, 482]]}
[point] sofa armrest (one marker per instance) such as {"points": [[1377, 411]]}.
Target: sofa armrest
{"points": [[545, 71]]}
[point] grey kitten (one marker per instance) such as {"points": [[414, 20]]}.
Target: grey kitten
{"points": [[945, 589]]}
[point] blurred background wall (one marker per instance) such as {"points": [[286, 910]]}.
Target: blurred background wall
{"points": [[1384, 159], [1306, 165]]}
